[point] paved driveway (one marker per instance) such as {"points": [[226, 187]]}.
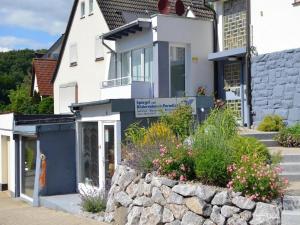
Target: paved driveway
{"points": [[16, 212]]}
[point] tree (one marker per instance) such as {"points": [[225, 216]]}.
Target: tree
{"points": [[46, 106]]}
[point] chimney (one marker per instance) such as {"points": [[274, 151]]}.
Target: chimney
{"points": [[179, 8], [163, 6]]}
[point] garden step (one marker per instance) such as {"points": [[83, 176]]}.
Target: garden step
{"points": [[260, 135], [269, 143], [290, 158], [291, 167], [291, 203], [290, 217], [291, 176]]}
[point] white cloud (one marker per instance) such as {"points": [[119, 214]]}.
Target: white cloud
{"points": [[47, 15], [3, 49], [10, 42]]}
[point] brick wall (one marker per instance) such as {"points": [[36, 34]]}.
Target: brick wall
{"points": [[276, 85]]}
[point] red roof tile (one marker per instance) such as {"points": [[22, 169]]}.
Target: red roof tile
{"points": [[43, 71]]}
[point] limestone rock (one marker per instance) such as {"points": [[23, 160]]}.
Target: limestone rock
{"points": [[175, 222], [148, 178], [246, 215], [151, 215], [126, 178], [198, 206], [222, 198], [119, 170], [185, 189], [122, 198], [243, 203], [265, 214], [191, 218], [216, 216], [143, 201], [206, 193], [132, 190], [109, 217], [208, 222], [175, 199], [159, 181], [134, 216], [166, 191], [120, 216], [236, 221], [177, 210], [228, 211], [147, 189], [157, 196], [167, 216]]}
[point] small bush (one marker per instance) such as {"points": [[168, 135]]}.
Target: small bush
{"points": [[175, 162], [249, 146], [255, 179], [211, 166], [180, 121], [135, 134], [271, 123], [92, 201], [159, 133], [289, 137]]}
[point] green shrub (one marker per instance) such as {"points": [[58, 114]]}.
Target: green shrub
{"points": [[92, 203], [46, 106], [221, 122], [289, 137], [211, 166], [159, 133], [255, 179], [180, 121], [176, 162], [135, 134], [249, 146], [271, 123]]}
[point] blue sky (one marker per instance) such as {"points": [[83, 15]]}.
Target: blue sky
{"points": [[32, 24]]}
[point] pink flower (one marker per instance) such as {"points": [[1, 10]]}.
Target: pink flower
{"points": [[182, 178]]}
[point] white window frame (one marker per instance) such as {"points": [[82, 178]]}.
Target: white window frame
{"points": [[82, 9], [99, 49], [73, 54], [177, 45]]}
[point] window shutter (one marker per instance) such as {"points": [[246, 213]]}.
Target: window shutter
{"points": [[99, 50], [73, 54], [91, 7]]}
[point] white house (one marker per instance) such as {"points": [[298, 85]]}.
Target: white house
{"points": [[122, 58]]}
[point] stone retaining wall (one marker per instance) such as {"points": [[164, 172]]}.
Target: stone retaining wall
{"points": [[276, 85], [152, 200]]}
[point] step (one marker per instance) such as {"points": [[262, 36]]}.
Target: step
{"points": [[291, 203], [291, 176], [291, 167], [290, 158], [290, 217], [261, 135], [269, 142]]}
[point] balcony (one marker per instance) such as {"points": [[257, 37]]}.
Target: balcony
{"points": [[126, 87]]}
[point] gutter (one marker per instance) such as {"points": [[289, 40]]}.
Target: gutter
{"points": [[248, 67], [215, 47]]}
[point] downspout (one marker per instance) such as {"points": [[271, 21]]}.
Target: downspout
{"points": [[215, 48], [248, 66]]}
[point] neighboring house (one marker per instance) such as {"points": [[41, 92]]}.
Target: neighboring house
{"points": [[121, 62], [257, 59], [42, 73]]}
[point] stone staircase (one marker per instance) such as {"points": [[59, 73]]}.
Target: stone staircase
{"points": [[291, 170]]}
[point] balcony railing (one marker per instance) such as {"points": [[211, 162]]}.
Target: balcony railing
{"points": [[117, 82]]}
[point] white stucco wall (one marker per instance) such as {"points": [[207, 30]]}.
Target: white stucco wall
{"points": [[6, 131], [197, 35], [88, 74], [275, 25]]}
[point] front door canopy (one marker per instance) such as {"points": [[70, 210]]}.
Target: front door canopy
{"points": [[227, 54]]}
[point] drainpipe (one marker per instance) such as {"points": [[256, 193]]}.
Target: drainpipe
{"points": [[215, 47], [248, 65]]}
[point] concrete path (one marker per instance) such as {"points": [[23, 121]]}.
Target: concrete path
{"points": [[16, 212]]}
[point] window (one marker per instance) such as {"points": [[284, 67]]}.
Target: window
{"points": [[99, 51], [73, 55], [148, 63], [91, 6], [137, 65], [82, 9]]}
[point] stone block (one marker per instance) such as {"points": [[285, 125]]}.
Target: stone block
{"points": [[294, 114], [297, 100], [282, 112]]}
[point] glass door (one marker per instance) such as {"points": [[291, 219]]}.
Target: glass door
{"points": [[28, 165], [89, 153], [177, 71], [109, 148]]}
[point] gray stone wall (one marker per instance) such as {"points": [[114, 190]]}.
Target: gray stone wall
{"points": [[276, 85], [154, 200]]}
